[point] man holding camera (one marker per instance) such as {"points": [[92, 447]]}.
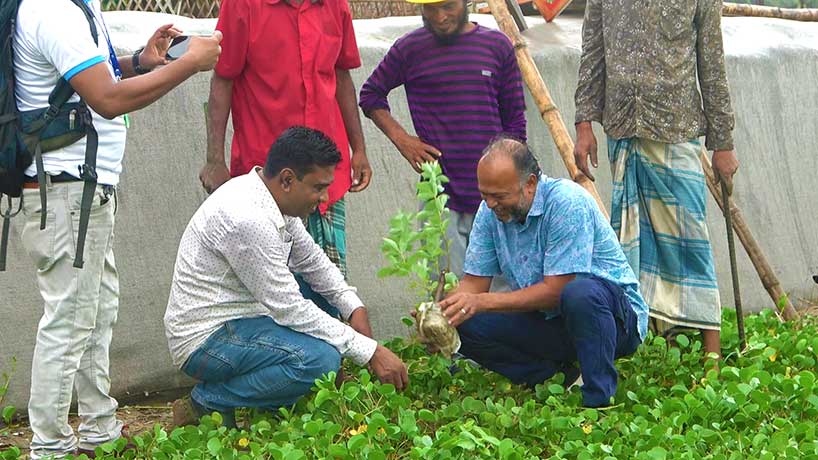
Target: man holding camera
{"points": [[52, 41]]}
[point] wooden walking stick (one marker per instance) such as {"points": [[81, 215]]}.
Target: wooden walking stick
{"points": [[731, 247], [794, 14], [757, 257], [548, 111], [565, 146]]}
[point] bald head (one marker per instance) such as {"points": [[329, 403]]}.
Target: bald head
{"points": [[507, 177], [504, 151]]}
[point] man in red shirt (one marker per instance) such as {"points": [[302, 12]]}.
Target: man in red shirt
{"points": [[286, 63]]}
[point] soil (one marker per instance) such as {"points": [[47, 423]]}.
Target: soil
{"points": [[139, 416]]}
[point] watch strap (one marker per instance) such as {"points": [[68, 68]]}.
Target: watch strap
{"points": [[137, 68]]}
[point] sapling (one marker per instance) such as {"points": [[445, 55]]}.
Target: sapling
{"points": [[414, 248]]}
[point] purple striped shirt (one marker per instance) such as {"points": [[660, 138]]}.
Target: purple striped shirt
{"points": [[460, 97]]}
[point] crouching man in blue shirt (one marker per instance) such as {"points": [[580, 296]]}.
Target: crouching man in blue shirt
{"points": [[574, 297]]}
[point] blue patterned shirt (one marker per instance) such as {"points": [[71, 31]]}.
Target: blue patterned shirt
{"points": [[564, 233]]}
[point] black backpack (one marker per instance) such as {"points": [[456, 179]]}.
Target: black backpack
{"points": [[25, 135]]}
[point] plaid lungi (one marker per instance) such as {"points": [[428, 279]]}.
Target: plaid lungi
{"points": [[329, 232], [658, 212]]}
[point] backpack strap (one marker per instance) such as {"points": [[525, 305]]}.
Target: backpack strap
{"points": [[88, 173], [58, 97], [89, 15], [4, 240]]}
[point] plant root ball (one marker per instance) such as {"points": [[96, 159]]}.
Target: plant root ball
{"points": [[434, 329]]}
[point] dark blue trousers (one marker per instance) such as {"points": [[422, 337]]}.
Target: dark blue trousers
{"points": [[596, 326], [318, 299]]}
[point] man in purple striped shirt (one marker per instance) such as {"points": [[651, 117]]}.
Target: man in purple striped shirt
{"points": [[464, 87]]}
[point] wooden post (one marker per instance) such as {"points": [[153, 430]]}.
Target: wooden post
{"points": [[565, 146], [794, 14], [548, 111]]}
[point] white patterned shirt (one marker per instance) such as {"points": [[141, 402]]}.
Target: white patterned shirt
{"points": [[236, 260]]}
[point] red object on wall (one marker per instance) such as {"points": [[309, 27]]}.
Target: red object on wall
{"points": [[550, 9]]}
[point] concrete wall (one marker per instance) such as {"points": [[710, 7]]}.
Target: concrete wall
{"points": [[772, 65]]}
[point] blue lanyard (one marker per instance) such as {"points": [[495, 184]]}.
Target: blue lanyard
{"points": [[114, 60], [111, 54]]}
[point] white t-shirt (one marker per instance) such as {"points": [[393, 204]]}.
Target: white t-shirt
{"points": [[53, 39]]}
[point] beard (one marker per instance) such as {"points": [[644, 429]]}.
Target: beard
{"points": [[448, 38], [517, 213], [513, 214]]}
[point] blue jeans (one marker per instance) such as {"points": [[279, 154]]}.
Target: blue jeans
{"points": [[596, 326], [254, 362]]}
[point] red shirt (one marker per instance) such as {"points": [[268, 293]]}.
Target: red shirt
{"points": [[282, 59]]}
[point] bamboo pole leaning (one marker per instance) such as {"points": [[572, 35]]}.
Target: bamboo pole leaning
{"points": [[565, 145], [757, 257], [549, 112], [794, 14]]}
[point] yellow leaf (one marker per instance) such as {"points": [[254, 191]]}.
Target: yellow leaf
{"points": [[773, 356]]}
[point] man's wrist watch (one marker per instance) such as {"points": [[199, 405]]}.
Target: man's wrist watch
{"points": [[138, 69]]}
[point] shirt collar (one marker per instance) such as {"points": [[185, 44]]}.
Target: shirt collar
{"points": [[538, 205], [266, 200]]}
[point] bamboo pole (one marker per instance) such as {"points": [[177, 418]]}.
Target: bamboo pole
{"points": [[757, 257], [794, 14], [549, 112], [565, 145]]}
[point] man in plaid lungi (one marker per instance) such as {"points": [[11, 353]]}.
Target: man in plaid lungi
{"points": [[653, 74]]}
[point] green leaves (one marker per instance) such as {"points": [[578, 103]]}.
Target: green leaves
{"points": [[668, 406], [8, 414], [416, 241], [5, 381]]}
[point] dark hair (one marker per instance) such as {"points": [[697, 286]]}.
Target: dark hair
{"points": [[301, 149], [524, 161]]}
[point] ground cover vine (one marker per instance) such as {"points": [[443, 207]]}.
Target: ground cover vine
{"points": [[760, 405]]}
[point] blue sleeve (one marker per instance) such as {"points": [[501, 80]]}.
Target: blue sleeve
{"points": [[82, 66], [569, 247], [481, 255]]}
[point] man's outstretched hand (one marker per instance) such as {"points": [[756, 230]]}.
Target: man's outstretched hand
{"points": [[389, 368]]}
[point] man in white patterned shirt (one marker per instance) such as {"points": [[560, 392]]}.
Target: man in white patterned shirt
{"points": [[236, 319]]}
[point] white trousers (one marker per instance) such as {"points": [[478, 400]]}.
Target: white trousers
{"points": [[74, 333]]}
